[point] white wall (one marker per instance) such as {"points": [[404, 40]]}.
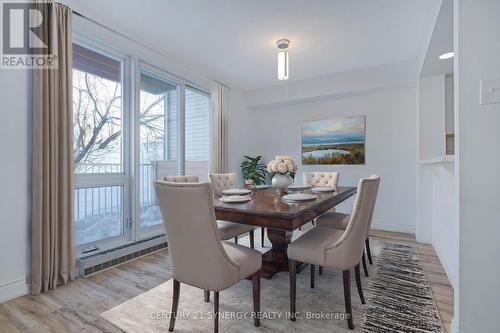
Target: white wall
{"points": [[346, 84], [432, 117], [390, 146], [425, 203], [437, 221], [437, 190], [445, 228], [242, 129], [15, 196], [431, 147], [437, 218], [477, 51], [449, 105]]}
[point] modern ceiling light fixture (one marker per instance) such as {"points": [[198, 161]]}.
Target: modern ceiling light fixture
{"points": [[282, 45], [447, 55]]}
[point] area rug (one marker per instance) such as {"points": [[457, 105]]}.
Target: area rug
{"points": [[398, 299]]}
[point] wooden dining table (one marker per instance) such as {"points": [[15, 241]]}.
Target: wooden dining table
{"points": [[268, 209]]}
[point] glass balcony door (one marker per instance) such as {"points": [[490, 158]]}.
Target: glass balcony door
{"points": [[173, 126], [101, 210], [132, 124], [157, 119], [197, 133]]}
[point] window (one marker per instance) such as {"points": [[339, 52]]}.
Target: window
{"points": [[97, 112], [98, 147], [158, 140], [118, 146], [197, 133], [99, 213]]}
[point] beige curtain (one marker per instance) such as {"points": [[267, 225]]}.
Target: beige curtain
{"points": [[53, 260], [220, 129]]}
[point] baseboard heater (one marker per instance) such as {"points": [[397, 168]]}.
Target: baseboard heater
{"points": [[107, 259]]}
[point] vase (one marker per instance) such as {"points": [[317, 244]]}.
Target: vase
{"points": [[280, 181]]}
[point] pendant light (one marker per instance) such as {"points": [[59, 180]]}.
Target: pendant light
{"points": [[282, 45]]}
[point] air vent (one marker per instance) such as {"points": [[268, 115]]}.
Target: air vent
{"points": [[98, 262]]}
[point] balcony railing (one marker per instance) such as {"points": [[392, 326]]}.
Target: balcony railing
{"points": [[99, 209], [108, 200]]}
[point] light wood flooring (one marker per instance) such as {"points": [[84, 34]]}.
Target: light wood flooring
{"points": [[77, 307]]}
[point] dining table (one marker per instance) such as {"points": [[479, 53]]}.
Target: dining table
{"points": [[280, 217]]}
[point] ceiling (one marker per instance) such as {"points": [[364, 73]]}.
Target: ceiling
{"points": [[234, 40], [441, 42]]}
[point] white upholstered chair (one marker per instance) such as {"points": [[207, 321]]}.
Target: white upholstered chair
{"points": [[197, 255], [182, 179], [330, 179], [222, 181], [340, 221], [340, 249], [228, 230], [319, 178]]}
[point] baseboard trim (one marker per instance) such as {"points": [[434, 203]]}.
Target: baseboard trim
{"points": [[392, 226], [424, 238], [14, 289]]}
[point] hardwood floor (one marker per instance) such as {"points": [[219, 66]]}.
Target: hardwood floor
{"points": [[77, 307]]}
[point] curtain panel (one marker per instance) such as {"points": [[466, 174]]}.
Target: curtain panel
{"points": [[219, 156], [53, 257]]}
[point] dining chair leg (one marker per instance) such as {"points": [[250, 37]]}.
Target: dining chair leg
{"points": [[216, 311], [207, 295], [236, 239], [252, 244], [347, 298], [364, 264], [262, 234], [292, 269], [320, 270], [256, 298], [312, 275], [175, 304], [368, 251], [358, 284]]}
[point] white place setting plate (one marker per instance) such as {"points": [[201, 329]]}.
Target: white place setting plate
{"points": [[235, 199], [260, 187], [300, 197], [298, 187], [236, 191], [323, 189]]}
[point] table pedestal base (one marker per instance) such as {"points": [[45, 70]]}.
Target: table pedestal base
{"points": [[276, 260]]}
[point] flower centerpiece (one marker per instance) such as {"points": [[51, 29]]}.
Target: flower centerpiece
{"points": [[282, 169]]}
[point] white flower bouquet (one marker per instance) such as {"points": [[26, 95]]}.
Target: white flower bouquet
{"points": [[282, 164]]}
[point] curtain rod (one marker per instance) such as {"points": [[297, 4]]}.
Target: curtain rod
{"points": [[136, 41]]}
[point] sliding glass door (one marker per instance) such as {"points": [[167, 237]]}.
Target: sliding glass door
{"points": [[132, 124], [158, 113], [101, 178], [174, 139], [197, 133]]}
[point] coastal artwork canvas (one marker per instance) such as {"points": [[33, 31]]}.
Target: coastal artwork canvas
{"points": [[334, 141]]}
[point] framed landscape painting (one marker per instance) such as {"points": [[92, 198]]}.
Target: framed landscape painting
{"points": [[334, 141]]}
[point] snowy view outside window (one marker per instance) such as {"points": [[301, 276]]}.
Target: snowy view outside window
{"points": [[158, 133], [99, 143]]}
